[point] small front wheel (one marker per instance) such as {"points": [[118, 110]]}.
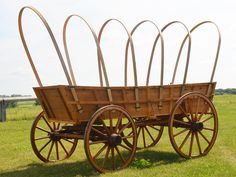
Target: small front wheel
{"points": [[46, 144], [193, 125], [104, 139]]}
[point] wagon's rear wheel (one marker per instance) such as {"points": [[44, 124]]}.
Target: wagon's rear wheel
{"points": [[193, 125], [148, 135], [47, 146], [104, 139]]}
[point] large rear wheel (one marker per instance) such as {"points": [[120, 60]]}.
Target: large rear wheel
{"points": [[193, 125]]}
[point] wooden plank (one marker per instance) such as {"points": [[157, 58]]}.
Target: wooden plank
{"points": [[62, 95], [44, 99]]}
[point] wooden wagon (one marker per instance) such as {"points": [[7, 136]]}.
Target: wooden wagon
{"points": [[115, 121]]}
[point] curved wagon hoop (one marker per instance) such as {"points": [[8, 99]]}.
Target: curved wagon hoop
{"points": [[217, 51], [180, 50], [133, 55], [52, 38], [162, 51], [99, 52], [129, 39]]}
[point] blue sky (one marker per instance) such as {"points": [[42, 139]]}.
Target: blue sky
{"points": [[16, 75]]}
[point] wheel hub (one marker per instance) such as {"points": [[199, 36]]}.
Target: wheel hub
{"points": [[197, 126], [114, 140], [54, 136]]}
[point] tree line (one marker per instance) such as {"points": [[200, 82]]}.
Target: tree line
{"points": [[225, 91]]}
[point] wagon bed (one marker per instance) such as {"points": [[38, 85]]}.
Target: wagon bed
{"points": [[59, 105]]}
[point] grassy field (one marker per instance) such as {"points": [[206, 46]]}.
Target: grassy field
{"points": [[18, 160]]}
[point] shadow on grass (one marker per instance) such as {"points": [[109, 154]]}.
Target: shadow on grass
{"points": [[83, 168], [149, 158]]}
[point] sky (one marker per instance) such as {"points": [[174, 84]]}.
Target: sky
{"points": [[16, 76]]}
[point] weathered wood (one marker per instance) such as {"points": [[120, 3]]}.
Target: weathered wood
{"points": [[4, 102]]}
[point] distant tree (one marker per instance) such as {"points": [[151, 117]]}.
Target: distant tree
{"points": [[16, 95], [11, 104], [36, 103], [225, 91]]}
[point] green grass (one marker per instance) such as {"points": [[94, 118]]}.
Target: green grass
{"points": [[17, 158], [24, 111]]}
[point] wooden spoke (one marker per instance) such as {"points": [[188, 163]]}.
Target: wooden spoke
{"points": [[139, 130], [111, 123], [204, 137], [41, 138], [47, 123], [205, 120], [210, 129], [68, 140], [198, 143], [131, 133], [144, 142], [104, 125], [98, 131], [154, 127], [203, 112], [149, 133], [113, 159], [106, 156], [50, 151], [118, 122], [57, 150], [45, 145], [98, 142], [189, 107], [184, 141], [186, 115], [182, 122], [124, 127], [120, 155], [58, 126], [63, 147], [54, 126], [186, 129], [127, 137], [42, 129], [100, 151], [197, 107], [191, 144], [125, 147]]}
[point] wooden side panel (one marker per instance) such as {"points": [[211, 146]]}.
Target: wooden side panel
{"points": [[60, 105]]}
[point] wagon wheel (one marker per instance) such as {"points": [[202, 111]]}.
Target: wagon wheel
{"points": [[147, 135], [46, 145], [193, 125], [104, 139]]}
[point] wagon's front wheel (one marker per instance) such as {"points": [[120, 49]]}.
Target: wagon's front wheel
{"points": [[104, 139], [193, 125], [47, 146]]}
